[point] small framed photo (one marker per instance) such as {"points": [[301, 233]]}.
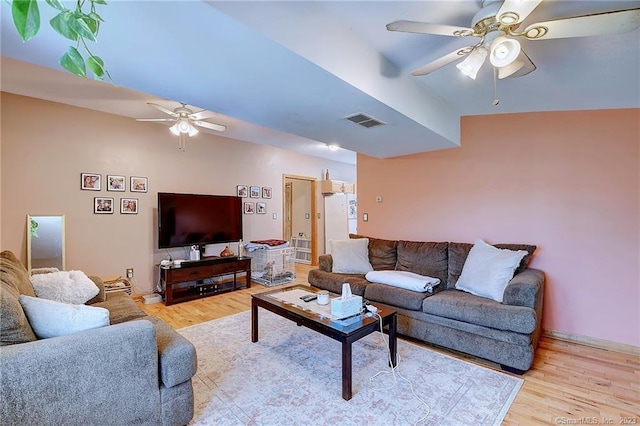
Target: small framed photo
{"points": [[115, 183], [129, 205], [90, 181], [138, 184], [255, 192], [249, 208], [242, 191], [261, 208], [266, 192], [103, 205]]}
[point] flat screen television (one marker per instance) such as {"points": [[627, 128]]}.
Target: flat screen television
{"points": [[190, 219]]}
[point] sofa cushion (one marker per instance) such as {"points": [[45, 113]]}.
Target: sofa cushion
{"points": [[350, 256], [14, 326], [383, 254], [65, 286], [121, 308], [50, 318], [466, 307], [458, 253], [394, 296], [332, 281], [424, 258], [15, 274]]}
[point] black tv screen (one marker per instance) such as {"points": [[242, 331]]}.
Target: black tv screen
{"points": [[188, 219]]}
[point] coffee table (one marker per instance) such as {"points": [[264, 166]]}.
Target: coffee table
{"points": [[345, 331]]}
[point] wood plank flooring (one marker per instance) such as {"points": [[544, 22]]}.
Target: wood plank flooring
{"points": [[569, 383]]}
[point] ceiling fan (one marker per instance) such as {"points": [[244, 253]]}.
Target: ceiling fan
{"points": [[497, 27], [185, 121]]}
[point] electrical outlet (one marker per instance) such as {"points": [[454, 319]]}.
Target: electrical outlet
{"points": [[129, 272]]}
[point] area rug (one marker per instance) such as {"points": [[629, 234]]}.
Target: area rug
{"points": [[292, 376]]}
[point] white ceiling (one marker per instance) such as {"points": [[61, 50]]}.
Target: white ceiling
{"points": [[287, 73]]}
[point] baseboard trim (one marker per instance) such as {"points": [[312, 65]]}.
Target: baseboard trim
{"points": [[593, 342]]}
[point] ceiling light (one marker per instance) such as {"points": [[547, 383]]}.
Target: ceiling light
{"points": [[472, 64], [504, 51], [506, 71], [333, 147]]}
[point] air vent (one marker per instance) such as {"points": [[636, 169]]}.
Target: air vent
{"points": [[364, 120]]}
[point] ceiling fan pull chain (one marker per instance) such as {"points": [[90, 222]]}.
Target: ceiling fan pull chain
{"points": [[496, 101]]}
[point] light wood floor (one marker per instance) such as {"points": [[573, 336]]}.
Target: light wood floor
{"points": [[569, 383]]}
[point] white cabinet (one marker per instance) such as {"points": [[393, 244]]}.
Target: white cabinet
{"points": [[303, 249]]}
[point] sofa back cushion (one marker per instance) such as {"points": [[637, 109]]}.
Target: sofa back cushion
{"points": [[14, 280], [458, 253], [424, 258], [382, 253], [15, 274]]}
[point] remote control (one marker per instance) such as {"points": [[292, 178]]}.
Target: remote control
{"points": [[309, 297]]}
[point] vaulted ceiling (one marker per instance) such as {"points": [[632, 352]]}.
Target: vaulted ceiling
{"points": [[288, 73]]}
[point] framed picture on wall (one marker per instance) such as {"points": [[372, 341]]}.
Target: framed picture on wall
{"points": [[266, 192], [90, 181], [103, 205], [242, 191], [115, 183], [255, 192], [138, 184], [249, 208], [261, 208], [129, 205]]}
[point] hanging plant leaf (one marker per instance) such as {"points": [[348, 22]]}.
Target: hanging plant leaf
{"points": [[99, 2], [96, 65], [62, 24], [73, 62], [78, 24], [92, 24], [26, 17], [56, 4], [96, 17]]}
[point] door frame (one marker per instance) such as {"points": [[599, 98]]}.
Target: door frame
{"points": [[314, 213]]}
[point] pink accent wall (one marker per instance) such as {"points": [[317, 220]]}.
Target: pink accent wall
{"points": [[568, 182]]}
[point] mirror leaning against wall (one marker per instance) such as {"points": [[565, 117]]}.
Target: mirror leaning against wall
{"points": [[45, 242]]}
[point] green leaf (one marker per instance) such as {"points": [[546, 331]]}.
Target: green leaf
{"points": [[73, 62], [26, 17], [62, 24], [56, 4], [92, 24], [96, 17], [96, 65], [99, 2], [81, 27]]}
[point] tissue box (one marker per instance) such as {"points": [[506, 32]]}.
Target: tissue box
{"points": [[346, 308]]}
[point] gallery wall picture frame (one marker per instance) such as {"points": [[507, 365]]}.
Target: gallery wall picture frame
{"points": [[116, 183], [242, 191], [266, 192], [255, 192], [103, 205], [129, 205], [249, 208], [139, 184], [90, 181], [261, 208]]}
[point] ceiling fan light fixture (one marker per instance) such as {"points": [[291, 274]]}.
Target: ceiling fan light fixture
{"points": [[192, 130], [504, 51], [175, 129], [472, 64], [506, 71]]}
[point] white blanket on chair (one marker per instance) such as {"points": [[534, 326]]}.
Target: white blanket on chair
{"points": [[404, 279]]}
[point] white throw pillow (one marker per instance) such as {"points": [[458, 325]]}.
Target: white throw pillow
{"points": [[65, 286], [404, 279], [49, 318], [350, 256], [488, 270]]}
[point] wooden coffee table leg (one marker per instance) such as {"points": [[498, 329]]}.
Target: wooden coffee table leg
{"points": [[254, 321], [346, 371]]}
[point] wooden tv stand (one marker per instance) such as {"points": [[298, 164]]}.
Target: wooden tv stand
{"points": [[201, 278]]}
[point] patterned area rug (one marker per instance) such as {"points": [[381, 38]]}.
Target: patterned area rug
{"points": [[292, 376]]}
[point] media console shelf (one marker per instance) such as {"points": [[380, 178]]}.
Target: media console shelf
{"points": [[201, 278]]}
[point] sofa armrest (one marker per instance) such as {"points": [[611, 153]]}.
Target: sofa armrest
{"points": [[101, 376], [325, 262], [101, 296], [525, 289]]}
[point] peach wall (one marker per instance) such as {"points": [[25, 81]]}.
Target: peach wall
{"points": [[46, 146], [568, 182]]}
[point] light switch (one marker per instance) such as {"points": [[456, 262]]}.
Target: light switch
{"points": [[275, 216], [365, 217]]}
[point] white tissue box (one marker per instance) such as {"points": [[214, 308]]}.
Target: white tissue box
{"points": [[347, 307]]}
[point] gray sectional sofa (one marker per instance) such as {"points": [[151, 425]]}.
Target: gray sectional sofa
{"points": [[137, 370], [506, 333]]}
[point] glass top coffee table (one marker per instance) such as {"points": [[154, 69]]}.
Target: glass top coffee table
{"points": [[287, 304]]}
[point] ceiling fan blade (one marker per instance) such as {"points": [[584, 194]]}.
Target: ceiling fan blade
{"points": [[202, 115], [527, 68], [515, 11], [617, 22], [163, 109], [426, 28], [155, 119], [212, 126], [442, 61]]}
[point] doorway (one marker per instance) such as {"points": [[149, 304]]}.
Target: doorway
{"points": [[300, 212]]}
